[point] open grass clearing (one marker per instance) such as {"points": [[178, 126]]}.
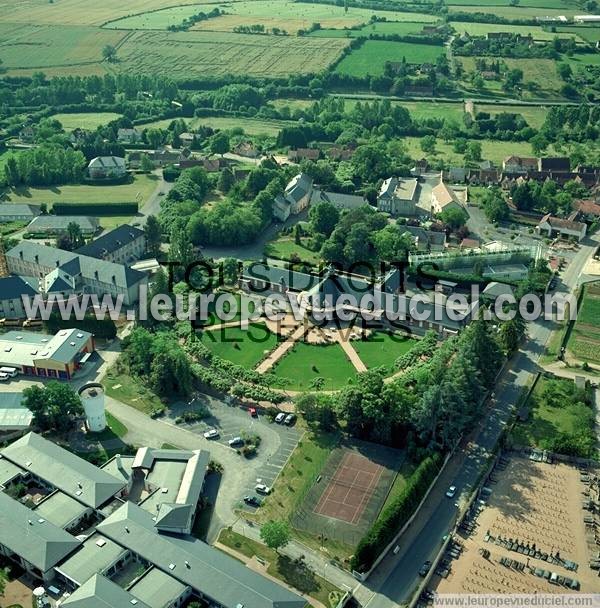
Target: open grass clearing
{"points": [[481, 29], [286, 248], [381, 28], [516, 12], [250, 126], [85, 120], [372, 56], [131, 391], [284, 568], [383, 348], [138, 190], [306, 362], [114, 429], [534, 115], [158, 20], [241, 346], [583, 59], [493, 4], [586, 32]]}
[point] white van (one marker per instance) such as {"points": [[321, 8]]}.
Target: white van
{"points": [[9, 371]]}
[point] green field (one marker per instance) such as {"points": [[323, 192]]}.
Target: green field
{"points": [[534, 115], [243, 347], [382, 28], [158, 20], [286, 248], [305, 362], [85, 120], [481, 29], [584, 341], [515, 12], [251, 126], [382, 349], [138, 190], [589, 33], [557, 413], [547, 4], [372, 56], [584, 59], [130, 391]]}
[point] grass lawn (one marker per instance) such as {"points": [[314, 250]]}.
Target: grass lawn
{"points": [[305, 362], [481, 29], [384, 28], [138, 190], [286, 248], [557, 414], [383, 348], [515, 12], [157, 20], [131, 391], [534, 115], [491, 150], [85, 120], [284, 568], [584, 341], [114, 429], [372, 56], [243, 347], [421, 109], [406, 470], [584, 59], [589, 33]]}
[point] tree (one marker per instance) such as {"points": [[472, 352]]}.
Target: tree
{"points": [[392, 243], [52, 406], [564, 71], [473, 152], [428, 144], [454, 218], [495, 206], [219, 143], [275, 534], [153, 236], [109, 53], [3, 580], [146, 165], [371, 162], [323, 218], [511, 333], [226, 181], [231, 270], [155, 138]]}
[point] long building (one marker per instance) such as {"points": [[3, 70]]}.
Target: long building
{"points": [[129, 552]]}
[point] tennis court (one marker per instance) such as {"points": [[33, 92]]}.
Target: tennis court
{"points": [[350, 488]]}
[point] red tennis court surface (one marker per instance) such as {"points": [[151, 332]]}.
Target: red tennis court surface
{"points": [[350, 488]]}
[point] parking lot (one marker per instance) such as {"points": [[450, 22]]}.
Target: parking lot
{"points": [[278, 441]]}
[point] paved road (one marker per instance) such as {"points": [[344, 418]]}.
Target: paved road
{"points": [[394, 580]]}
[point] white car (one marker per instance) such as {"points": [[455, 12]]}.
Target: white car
{"points": [[235, 441], [4, 377], [211, 434], [451, 492], [261, 488], [280, 417]]}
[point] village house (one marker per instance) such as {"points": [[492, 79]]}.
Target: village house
{"points": [[444, 198], [587, 210], [519, 164], [187, 139], [295, 197], [246, 149], [129, 136], [398, 196], [27, 134], [556, 164], [555, 226], [123, 245], [426, 240], [107, 167], [340, 153], [18, 212], [304, 154]]}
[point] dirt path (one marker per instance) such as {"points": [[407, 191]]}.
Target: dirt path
{"points": [[352, 354], [281, 350]]}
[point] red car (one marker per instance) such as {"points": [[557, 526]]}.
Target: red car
{"points": [[252, 412]]}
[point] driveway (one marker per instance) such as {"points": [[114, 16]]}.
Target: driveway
{"points": [[278, 441]]}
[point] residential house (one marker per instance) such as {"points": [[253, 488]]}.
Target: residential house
{"points": [[519, 164], [107, 167], [246, 149], [304, 154], [57, 225], [340, 200], [129, 136], [159, 158], [295, 198], [556, 164], [122, 245], [12, 291], [587, 210], [443, 198], [456, 174], [398, 196], [555, 226], [78, 136], [187, 139], [426, 240], [27, 134], [17, 212]]}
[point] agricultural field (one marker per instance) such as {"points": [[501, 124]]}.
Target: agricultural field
{"points": [[546, 4], [372, 56], [138, 190], [516, 12], [85, 120], [534, 115], [76, 12], [382, 28], [481, 29], [584, 59], [39, 47], [542, 72], [191, 54], [306, 362], [157, 20], [588, 33], [251, 126], [584, 341]]}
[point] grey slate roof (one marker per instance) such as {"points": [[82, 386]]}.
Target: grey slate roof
{"points": [[9, 209], [275, 275], [298, 187], [158, 589], [74, 264], [340, 200], [49, 223], [194, 563], [99, 592], [111, 241], [13, 287], [39, 542], [62, 469]]}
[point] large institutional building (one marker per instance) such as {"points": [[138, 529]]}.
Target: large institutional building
{"points": [[119, 535]]}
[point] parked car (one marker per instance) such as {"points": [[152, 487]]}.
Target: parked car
{"points": [[261, 488], [211, 434], [425, 568], [253, 501], [236, 441], [252, 412], [451, 491], [280, 417], [4, 377], [290, 419]]}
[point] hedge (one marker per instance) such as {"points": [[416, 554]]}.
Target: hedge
{"points": [[95, 210], [101, 328], [389, 523]]}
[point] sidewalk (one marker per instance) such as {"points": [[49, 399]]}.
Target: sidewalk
{"points": [[318, 564]]}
